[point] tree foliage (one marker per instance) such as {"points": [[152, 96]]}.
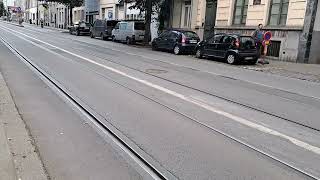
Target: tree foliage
{"points": [[2, 9], [71, 3]]}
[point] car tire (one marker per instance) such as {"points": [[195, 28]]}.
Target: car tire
{"points": [[253, 62], [154, 47], [128, 41], [199, 54], [176, 50], [231, 58], [113, 39]]}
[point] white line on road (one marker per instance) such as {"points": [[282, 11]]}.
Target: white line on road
{"points": [[209, 72], [233, 117]]}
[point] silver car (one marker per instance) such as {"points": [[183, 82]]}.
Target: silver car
{"points": [[129, 32]]}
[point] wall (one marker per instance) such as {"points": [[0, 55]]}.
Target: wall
{"points": [[259, 13]]}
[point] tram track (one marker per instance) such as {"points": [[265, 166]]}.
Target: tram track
{"points": [[152, 169]]}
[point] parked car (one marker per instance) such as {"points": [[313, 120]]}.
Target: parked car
{"points": [[102, 28], [233, 48], [178, 41], [80, 28], [129, 32]]}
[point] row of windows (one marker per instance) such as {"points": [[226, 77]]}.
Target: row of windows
{"points": [[277, 15]]}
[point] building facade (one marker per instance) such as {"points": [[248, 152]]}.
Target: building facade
{"points": [[189, 14]]}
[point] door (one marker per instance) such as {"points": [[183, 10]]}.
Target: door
{"points": [[123, 31], [212, 44], [93, 31], [172, 40], [161, 40], [116, 31], [227, 43], [211, 10]]}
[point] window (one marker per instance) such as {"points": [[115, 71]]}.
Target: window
{"points": [[215, 39], [117, 26], [278, 12], [186, 14], [123, 26], [256, 2], [103, 13], [240, 12], [228, 39], [139, 26]]}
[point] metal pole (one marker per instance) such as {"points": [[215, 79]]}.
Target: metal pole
{"points": [[37, 12]]}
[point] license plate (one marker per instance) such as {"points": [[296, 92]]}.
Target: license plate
{"points": [[248, 58], [193, 41]]}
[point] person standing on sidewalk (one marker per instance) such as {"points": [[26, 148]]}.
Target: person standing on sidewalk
{"points": [[258, 37]]}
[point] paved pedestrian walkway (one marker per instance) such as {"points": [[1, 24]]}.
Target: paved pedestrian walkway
{"points": [[308, 72], [18, 156]]}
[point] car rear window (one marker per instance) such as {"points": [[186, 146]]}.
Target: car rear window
{"points": [[139, 26], [247, 42], [190, 34], [112, 23]]}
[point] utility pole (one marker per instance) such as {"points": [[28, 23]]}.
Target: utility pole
{"points": [[37, 12]]}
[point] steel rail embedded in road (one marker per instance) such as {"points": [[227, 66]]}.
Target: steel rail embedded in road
{"points": [[176, 111], [148, 167], [205, 92]]}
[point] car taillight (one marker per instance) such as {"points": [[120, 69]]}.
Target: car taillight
{"points": [[237, 43], [184, 40]]}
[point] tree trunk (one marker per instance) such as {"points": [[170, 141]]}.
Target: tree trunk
{"points": [[148, 16], [71, 7]]}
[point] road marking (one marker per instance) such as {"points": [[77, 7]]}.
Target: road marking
{"points": [[233, 117], [89, 119], [209, 72]]}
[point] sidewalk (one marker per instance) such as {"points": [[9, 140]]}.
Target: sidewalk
{"points": [[18, 156], [307, 72]]}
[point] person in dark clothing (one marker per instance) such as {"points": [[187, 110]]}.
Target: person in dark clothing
{"points": [[258, 37]]}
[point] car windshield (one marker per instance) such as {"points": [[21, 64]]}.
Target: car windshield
{"points": [[139, 26], [190, 34], [247, 42]]}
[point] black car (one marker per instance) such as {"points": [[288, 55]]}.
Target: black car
{"points": [[178, 41], [80, 28], [233, 48], [102, 28]]}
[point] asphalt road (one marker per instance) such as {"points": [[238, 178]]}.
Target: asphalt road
{"points": [[190, 119]]}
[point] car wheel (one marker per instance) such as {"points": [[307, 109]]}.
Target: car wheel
{"points": [[231, 58], [128, 41], [77, 33], [154, 47], [176, 50], [91, 35], [253, 62], [199, 54]]}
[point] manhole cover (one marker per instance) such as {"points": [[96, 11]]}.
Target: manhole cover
{"points": [[156, 71]]}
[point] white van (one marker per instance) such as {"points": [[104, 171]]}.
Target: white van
{"points": [[129, 32]]}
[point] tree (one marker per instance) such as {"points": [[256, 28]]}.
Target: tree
{"points": [[148, 7], [70, 3], [2, 9]]}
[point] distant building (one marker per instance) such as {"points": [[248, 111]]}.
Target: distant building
{"points": [[92, 10]]}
